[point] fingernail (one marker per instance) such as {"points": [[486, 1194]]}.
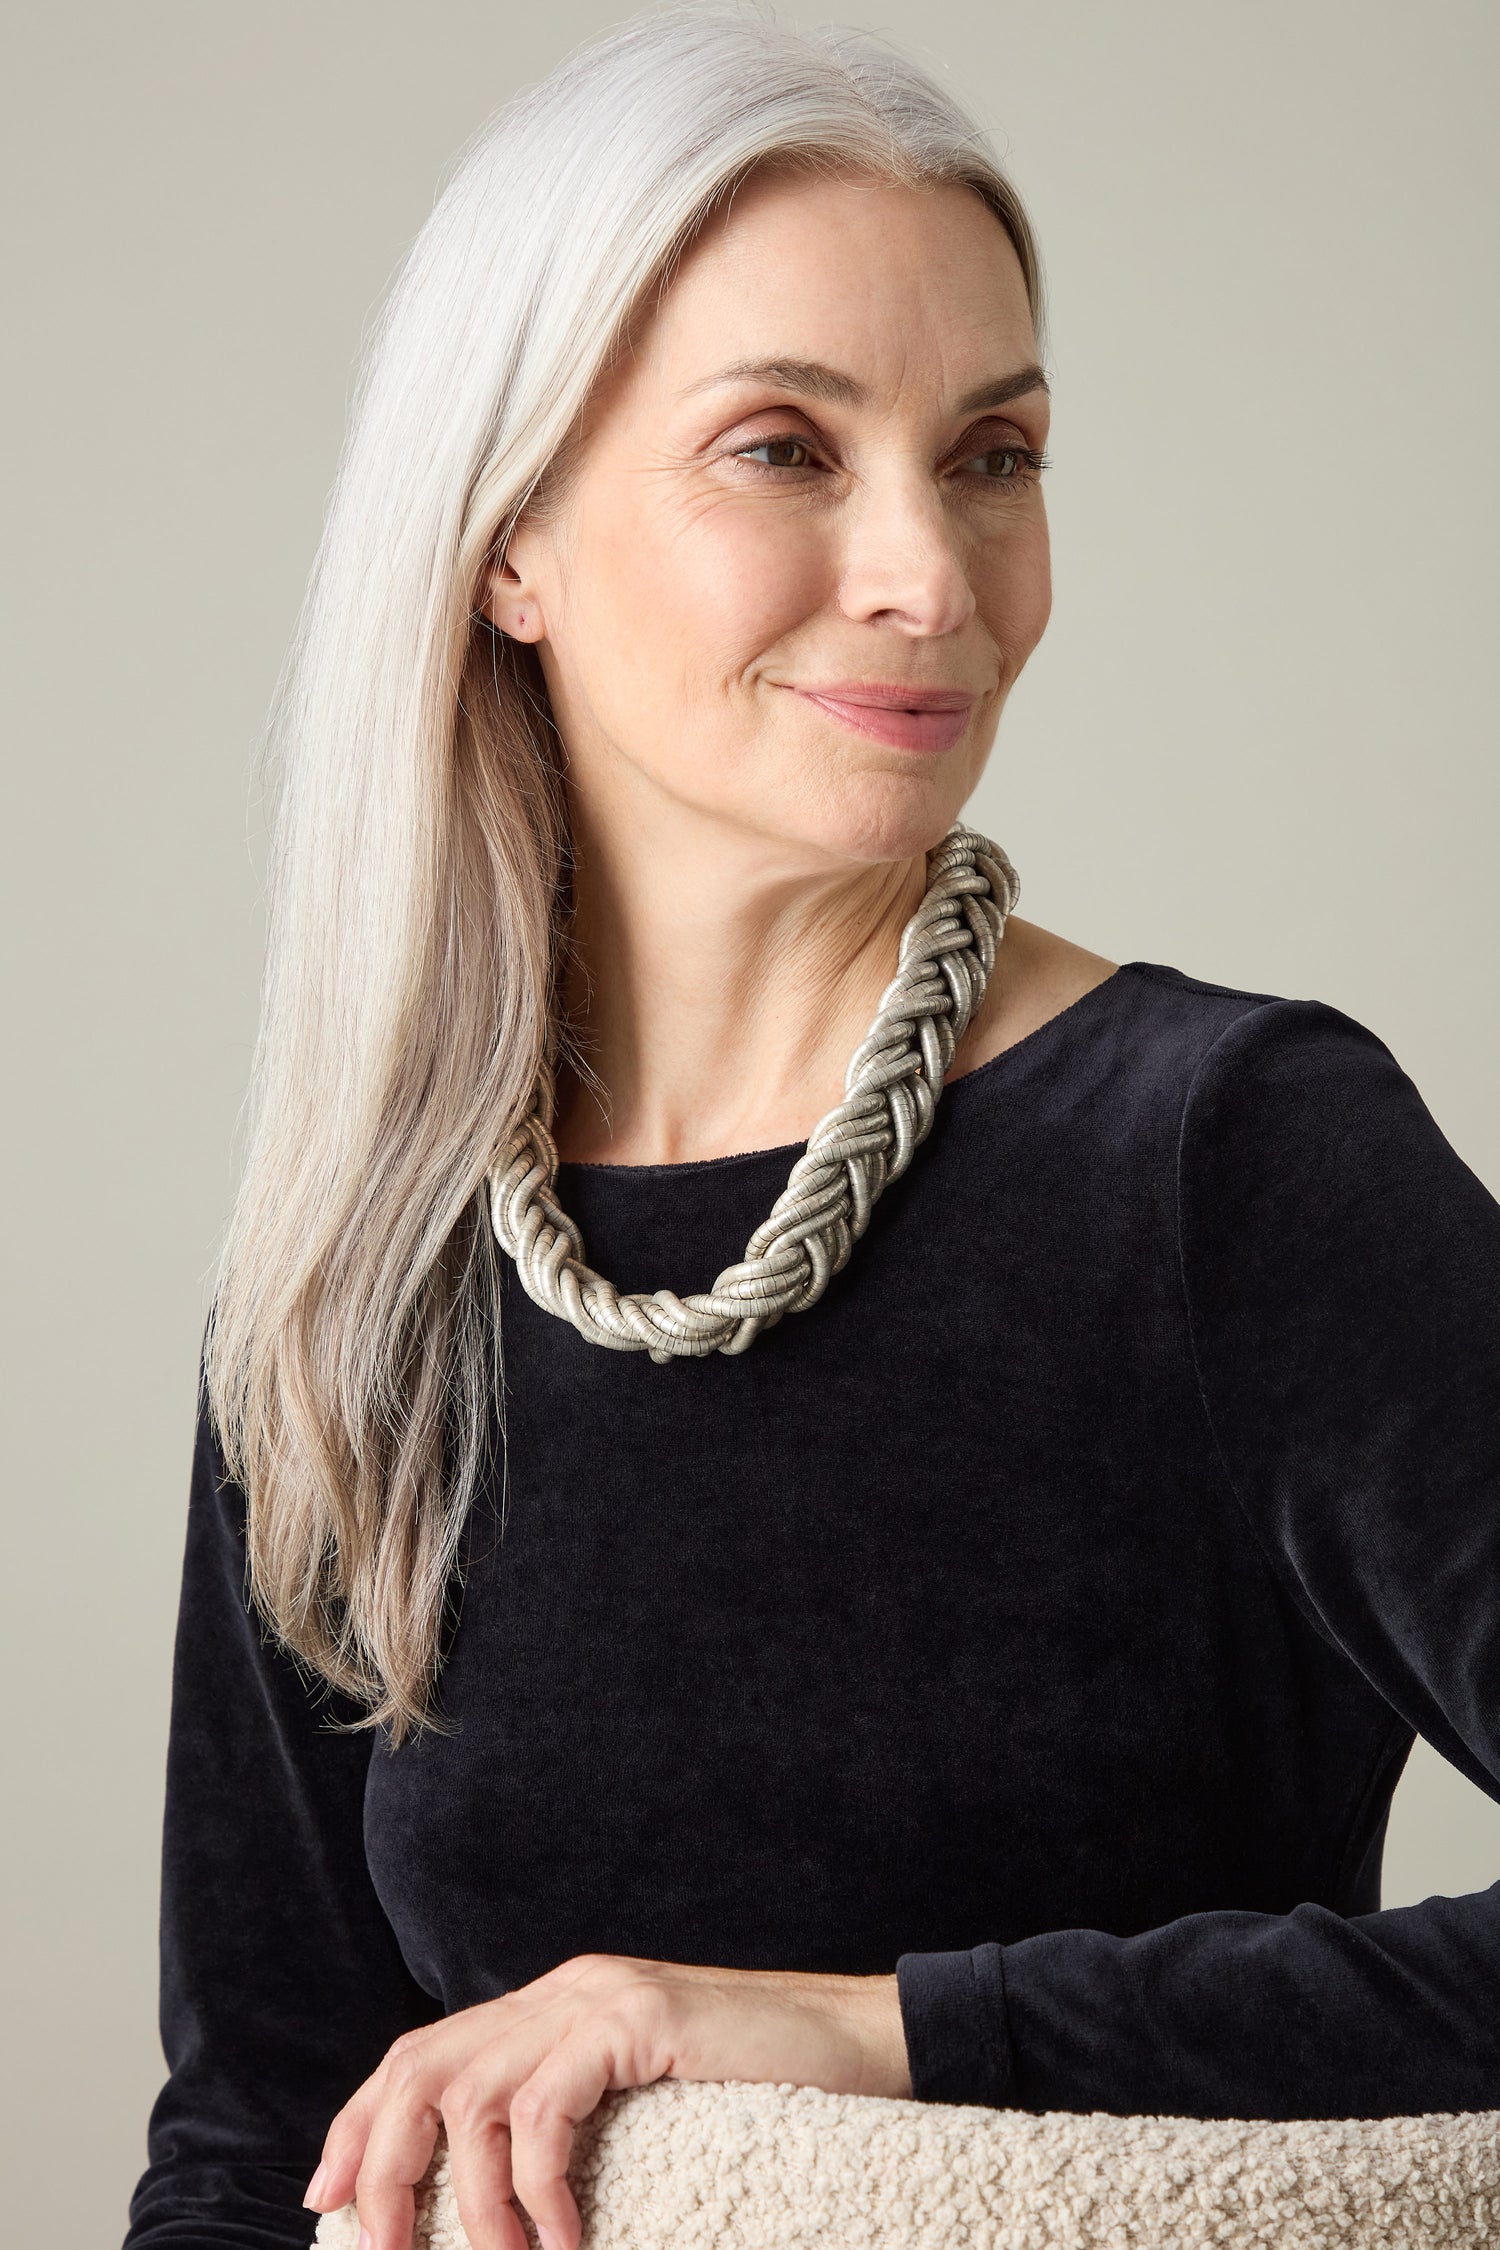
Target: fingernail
{"points": [[315, 2187], [366, 2239], [547, 2239]]}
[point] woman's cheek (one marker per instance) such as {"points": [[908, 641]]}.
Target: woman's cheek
{"points": [[751, 576], [1013, 594]]}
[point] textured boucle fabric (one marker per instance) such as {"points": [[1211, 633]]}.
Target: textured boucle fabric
{"points": [[678, 2166]]}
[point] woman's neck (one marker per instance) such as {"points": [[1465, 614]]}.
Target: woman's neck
{"points": [[720, 983]]}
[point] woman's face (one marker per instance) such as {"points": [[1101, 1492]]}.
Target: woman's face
{"points": [[809, 491]]}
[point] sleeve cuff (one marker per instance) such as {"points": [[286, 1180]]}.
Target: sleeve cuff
{"points": [[953, 2014]]}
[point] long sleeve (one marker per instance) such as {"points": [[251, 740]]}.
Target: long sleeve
{"points": [[282, 1983], [1341, 1288]]}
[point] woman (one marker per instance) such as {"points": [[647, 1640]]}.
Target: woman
{"points": [[979, 1673]]}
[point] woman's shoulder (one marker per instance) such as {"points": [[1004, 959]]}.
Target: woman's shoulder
{"points": [[1293, 1104], [1281, 1117], [1041, 977], [1263, 1073], [1197, 1043]]}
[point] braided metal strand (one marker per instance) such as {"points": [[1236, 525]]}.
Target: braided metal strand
{"points": [[891, 1091]]}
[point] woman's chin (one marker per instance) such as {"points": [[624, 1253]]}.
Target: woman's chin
{"points": [[887, 814]]}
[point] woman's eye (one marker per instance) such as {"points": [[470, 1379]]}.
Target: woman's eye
{"points": [[1006, 464], [778, 448], [1001, 466]]}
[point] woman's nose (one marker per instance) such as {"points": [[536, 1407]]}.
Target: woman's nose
{"points": [[902, 560]]}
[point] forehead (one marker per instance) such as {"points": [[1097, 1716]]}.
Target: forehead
{"points": [[821, 267]]}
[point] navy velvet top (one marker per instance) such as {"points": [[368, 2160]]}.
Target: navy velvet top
{"points": [[1045, 1615]]}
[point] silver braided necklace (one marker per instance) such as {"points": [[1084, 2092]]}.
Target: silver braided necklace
{"points": [[891, 1091]]}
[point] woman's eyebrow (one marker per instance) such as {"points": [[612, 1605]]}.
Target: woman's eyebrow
{"points": [[815, 380]]}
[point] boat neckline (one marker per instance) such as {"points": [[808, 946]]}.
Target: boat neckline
{"points": [[989, 1071]]}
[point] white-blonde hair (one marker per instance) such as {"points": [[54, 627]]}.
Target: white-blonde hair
{"points": [[418, 872]]}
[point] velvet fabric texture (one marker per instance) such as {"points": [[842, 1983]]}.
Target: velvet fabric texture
{"points": [[1045, 1616]]}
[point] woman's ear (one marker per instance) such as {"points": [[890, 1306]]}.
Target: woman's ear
{"points": [[511, 602]]}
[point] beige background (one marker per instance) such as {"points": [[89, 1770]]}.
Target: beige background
{"points": [[1257, 742]]}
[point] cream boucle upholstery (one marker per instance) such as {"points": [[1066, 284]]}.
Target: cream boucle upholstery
{"points": [[679, 2166]]}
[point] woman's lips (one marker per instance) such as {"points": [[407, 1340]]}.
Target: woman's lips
{"points": [[911, 718]]}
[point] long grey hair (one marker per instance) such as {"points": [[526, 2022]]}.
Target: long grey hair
{"points": [[419, 859]]}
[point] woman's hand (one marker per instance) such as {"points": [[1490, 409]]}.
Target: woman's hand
{"points": [[510, 2079]]}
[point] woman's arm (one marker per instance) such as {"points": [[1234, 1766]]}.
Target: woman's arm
{"points": [[1341, 1280], [281, 1980]]}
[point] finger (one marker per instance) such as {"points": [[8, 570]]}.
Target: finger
{"points": [[397, 2151], [344, 2142], [438, 2052], [606, 2050], [479, 2162], [476, 2106]]}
